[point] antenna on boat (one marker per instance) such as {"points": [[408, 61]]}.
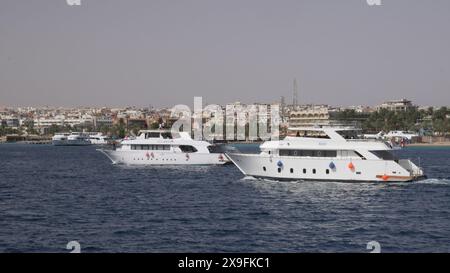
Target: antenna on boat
{"points": [[295, 94]]}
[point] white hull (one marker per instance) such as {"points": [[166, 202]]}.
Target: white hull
{"points": [[163, 158], [98, 142], [70, 142], [292, 168]]}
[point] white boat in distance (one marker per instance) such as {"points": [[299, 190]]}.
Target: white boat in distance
{"points": [[401, 135], [97, 138], [326, 154], [70, 139], [159, 147]]}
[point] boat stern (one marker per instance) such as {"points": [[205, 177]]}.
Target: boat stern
{"points": [[416, 172]]}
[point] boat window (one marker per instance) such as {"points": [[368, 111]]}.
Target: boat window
{"points": [[385, 155], [308, 133], [165, 147], [292, 170], [314, 171], [308, 153], [152, 135], [351, 153], [150, 147], [166, 135], [215, 149], [188, 149], [348, 134]]}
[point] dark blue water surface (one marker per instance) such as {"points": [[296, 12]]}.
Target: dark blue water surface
{"points": [[52, 195]]}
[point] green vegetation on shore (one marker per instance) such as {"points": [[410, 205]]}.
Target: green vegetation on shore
{"points": [[430, 121]]}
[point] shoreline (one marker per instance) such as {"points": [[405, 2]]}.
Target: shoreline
{"points": [[435, 144]]}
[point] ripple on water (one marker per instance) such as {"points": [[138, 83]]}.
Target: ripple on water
{"points": [[52, 195]]}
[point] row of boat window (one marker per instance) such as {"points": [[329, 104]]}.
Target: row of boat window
{"points": [[165, 135], [308, 153], [291, 170], [150, 147], [183, 148], [318, 153]]}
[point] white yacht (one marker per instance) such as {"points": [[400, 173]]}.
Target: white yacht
{"points": [[401, 135], [378, 136], [159, 147], [60, 139], [97, 138], [72, 139], [326, 154]]}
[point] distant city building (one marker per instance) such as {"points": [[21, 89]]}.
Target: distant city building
{"points": [[397, 105], [360, 109], [48, 121], [61, 120], [308, 115], [12, 122], [137, 123], [100, 122]]}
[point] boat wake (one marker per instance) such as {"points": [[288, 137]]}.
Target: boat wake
{"points": [[429, 181], [248, 178], [434, 181], [269, 180]]}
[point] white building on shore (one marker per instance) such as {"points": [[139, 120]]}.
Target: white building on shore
{"points": [[397, 105], [309, 115]]}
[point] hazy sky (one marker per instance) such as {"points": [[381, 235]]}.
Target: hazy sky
{"points": [[164, 52]]}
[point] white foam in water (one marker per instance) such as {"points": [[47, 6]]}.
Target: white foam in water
{"points": [[435, 181], [249, 178]]}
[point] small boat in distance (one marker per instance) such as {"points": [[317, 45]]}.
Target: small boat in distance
{"points": [[72, 139], [161, 147], [378, 136], [401, 135], [97, 138], [327, 154]]}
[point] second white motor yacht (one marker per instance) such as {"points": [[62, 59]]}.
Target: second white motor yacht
{"points": [[72, 139], [159, 147]]}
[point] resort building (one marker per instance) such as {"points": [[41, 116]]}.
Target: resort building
{"points": [[397, 105], [309, 115]]}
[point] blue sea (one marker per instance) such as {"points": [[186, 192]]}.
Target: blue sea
{"points": [[52, 195]]}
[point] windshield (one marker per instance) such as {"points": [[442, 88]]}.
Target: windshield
{"points": [[349, 134], [385, 155], [308, 133]]}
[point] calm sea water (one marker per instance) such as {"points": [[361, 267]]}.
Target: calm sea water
{"points": [[52, 195]]}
